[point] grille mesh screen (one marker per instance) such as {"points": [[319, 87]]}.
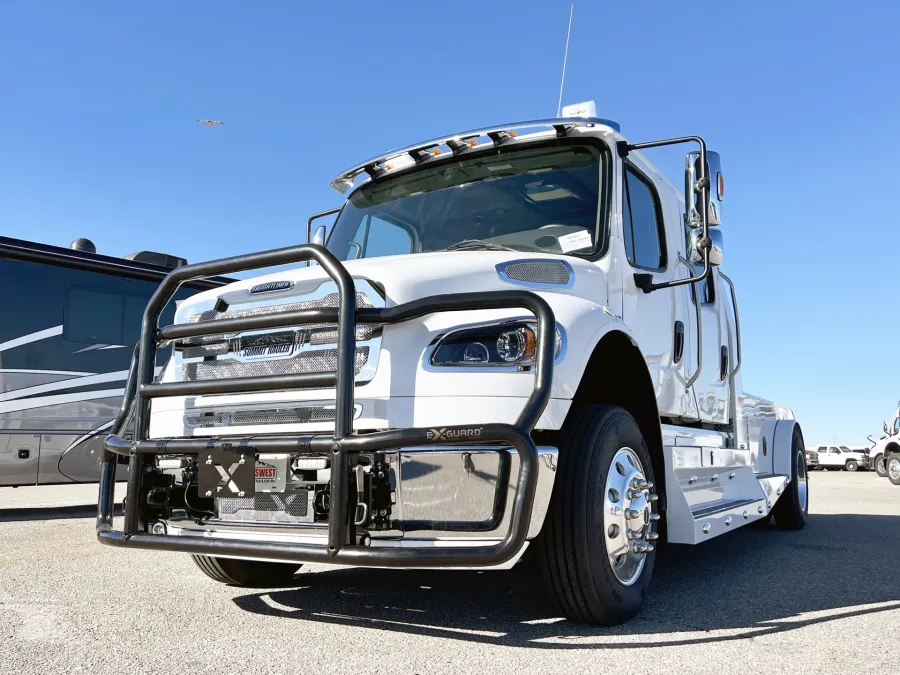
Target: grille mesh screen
{"points": [[320, 361], [539, 272], [282, 507], [302, 415], [330, 300]]}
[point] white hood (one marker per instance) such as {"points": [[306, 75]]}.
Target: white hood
{"points": [[410, 277]]}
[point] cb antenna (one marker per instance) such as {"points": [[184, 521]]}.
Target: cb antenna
{"points": [[565, 58]]}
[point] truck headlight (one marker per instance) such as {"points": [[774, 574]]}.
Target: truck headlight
{"points": [[511, 343]]}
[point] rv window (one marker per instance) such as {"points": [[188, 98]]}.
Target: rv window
{"points": [[99, 317]]}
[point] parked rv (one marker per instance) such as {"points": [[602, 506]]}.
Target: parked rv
{"points": [[71, 318], [516, 336]]}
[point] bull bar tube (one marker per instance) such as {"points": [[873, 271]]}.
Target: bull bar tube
{"points": [[343, 445]]}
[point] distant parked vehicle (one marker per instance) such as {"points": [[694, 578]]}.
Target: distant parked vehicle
{"points": [[886, 445], [838, 457]]}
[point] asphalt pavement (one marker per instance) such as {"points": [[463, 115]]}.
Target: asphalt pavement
{"points": [[822, 600]]}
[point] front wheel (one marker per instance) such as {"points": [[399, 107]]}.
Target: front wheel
{"points": [[791, 510], [250, 573], [880, 466], [893, 469], [851, 465], [596, 547]]}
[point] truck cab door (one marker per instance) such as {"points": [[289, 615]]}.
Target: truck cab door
{"points": [[656, 318]]}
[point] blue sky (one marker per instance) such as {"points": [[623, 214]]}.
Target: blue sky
{"points": [[98, 138]]}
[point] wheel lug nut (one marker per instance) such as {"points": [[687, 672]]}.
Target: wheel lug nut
{"points": [[631, 514], [652, 497], [652, 535], [654, 516], [633, 534], [633, 494]]}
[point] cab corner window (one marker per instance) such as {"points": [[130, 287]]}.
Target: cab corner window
{"points": [[376, 237], [644, 232]]}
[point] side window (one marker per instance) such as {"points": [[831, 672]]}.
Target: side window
{"points": [[897, 425], [98, 316], [834, 451], [822, 449], [376, 237], [644, 231]]}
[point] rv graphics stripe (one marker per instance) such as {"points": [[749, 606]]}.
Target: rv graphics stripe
{"points": [[44, 401], [32, 337], [70, 383]]}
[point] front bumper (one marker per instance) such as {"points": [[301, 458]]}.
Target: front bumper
{"points": [[343, 544]]}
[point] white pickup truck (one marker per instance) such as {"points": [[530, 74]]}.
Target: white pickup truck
{"points": [[514, 337], [835, 457]]}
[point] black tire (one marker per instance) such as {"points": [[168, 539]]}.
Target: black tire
{"points": [[880, 466], [573, 542], [851, 465], [892, 464], [249, 573], [791, 509]]}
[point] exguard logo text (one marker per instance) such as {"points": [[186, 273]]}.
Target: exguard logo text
{"points": [[446, 434]]}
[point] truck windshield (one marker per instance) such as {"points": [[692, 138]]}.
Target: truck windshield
{"points": [[540, 199]]}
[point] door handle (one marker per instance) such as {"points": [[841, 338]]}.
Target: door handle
{"points": [[679, 341], [23, 453]]}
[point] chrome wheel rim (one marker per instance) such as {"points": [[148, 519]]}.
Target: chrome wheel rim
{"points": [[628, 516], [802, 485], [893, 468]]}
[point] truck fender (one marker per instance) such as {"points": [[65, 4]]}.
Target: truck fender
{"points": [[782, 446], [613, 371]]}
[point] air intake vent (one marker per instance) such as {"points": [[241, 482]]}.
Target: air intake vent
{"points": [[540, 272]]}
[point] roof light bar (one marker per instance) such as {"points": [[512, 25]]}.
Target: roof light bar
{"points": [[459, 143]]}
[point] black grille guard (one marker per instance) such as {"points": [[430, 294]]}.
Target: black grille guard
{"points": [[342, 546]]}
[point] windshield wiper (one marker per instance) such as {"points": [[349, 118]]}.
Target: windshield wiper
{"points": [[476, 244]]}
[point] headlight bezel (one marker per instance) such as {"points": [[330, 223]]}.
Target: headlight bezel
{"points": [[493, 330]]}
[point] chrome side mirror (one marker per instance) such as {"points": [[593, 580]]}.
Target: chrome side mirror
{"points": [[715, 251], [694, 193], [319, 236], [885, 428]]}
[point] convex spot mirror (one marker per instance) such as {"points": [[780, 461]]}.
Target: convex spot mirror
{"points": [[715, 251], [319, 236], [694, 196]]}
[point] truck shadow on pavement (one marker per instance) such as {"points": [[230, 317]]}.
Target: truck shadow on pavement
{"points": [[750, 583]]}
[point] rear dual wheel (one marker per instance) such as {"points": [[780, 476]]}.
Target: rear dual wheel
{"points": [[791, 510], [597, 547]]}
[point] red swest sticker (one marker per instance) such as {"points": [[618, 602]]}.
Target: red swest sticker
{"points": [[265, 472]]}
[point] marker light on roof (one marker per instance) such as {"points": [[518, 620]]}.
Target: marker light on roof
{"points": [[436, 152], [511, 134], [473, 142]]}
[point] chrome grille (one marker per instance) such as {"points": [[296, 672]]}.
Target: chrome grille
{"points": [[268, 507], [292, 415], [330, 300], [318, 361]]}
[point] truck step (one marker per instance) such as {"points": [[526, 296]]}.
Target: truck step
{"points": [[715, 509], [711, 493]]}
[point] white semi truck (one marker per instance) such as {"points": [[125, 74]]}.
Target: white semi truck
{"points": [[517, 337], [888, 446]]}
